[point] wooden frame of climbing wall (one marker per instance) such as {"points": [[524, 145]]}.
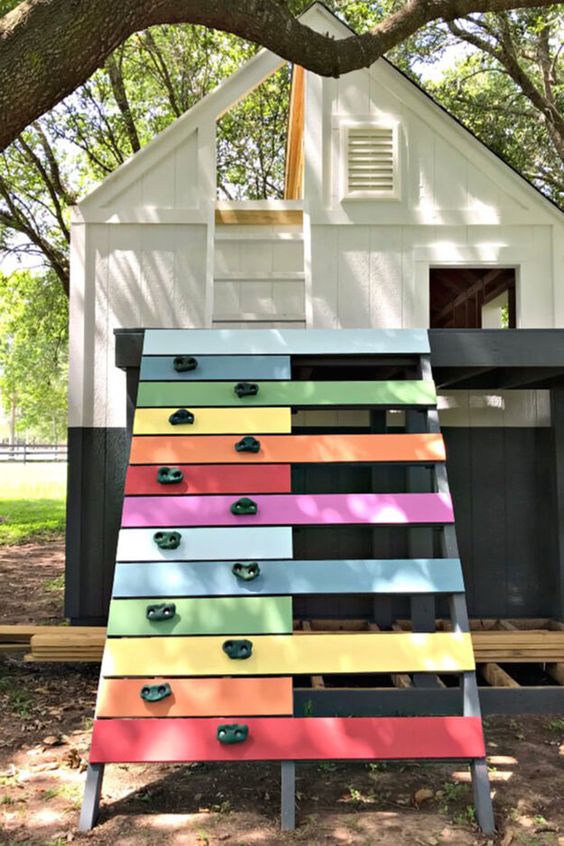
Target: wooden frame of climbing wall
{"points": [[201, 652]]}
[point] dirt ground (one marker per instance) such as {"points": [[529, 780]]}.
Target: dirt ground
{"points": [[45, 717]]}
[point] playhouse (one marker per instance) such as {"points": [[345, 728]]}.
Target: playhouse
{"points": [[395, 216]]}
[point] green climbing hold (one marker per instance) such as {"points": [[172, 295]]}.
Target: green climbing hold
{"points": [[238, 650], [184, 363], [246, 572], [155, 692], [246, 389], [167, 540], [248, 444], [232, 733], [244, 506], [169, 475], [180, 417], [160, 612]]}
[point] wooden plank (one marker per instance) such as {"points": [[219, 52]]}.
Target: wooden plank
{"points": [[208, 544], [210, 367], [298, 394], [289, 738], [275, 655], [298, 578], [290, 509], [259, 217], [155, 421], [295, 449], [221, 615], [347, 342], [197, 697], [211, 479]]}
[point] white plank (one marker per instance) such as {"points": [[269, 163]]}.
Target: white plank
{"points": [[283, 341], [243, 543]]}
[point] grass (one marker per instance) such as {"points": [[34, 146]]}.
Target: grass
{"points": [[32, 503]]}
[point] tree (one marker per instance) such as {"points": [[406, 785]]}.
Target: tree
{"points": [[146, 84], [49, 47], [511, 92], [33, 353]]}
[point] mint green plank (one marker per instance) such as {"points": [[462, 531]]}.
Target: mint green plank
{"points": [[224, 615], [297, 394]]}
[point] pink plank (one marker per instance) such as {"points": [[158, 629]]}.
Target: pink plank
{"points": [[287, 738], [288, 510]]}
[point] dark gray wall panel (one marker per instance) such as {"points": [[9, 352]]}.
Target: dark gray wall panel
{"points": [[96, 474], [505, 517], [502, 482]]}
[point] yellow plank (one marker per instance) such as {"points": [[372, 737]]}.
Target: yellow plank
{"points": [[290, 654], [154, 421]]}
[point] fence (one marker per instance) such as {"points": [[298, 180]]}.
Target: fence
{"points": [[33, 452]]}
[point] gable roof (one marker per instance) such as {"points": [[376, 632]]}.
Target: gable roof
{"points": [[237, 86], [349, 29]]}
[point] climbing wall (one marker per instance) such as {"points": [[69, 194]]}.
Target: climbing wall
{"points": [[202, 643]]}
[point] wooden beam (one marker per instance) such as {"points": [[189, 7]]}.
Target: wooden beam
{"points": [[293, 181], [496, 676], [259, 217]]}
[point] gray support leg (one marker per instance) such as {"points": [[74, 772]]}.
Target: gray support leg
{"points": [[482, 796], [288, 796], [91, 800]]}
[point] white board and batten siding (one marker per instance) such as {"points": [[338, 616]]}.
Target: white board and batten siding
{"points": [[146, 250]]}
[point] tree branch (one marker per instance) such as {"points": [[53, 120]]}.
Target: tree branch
{"points": [[49, 47]]}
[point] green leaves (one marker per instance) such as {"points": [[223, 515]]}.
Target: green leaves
{"points": [[33, 353]]}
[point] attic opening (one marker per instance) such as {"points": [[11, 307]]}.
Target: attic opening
{"points": [[260, 141], [472, 298]]}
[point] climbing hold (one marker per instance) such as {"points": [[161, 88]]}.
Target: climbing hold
{"points": [[169, 475], [246, 572], [232, 733], [246, 389], [244, 506], [248, 444], [155, 692], [160, 612], [181, 416], [238, 649], [184, 363], [167, 540]]}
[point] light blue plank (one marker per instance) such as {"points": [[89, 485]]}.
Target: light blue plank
{"points": [[216, 367], [207, 544], [286, 342], [291, 577]]}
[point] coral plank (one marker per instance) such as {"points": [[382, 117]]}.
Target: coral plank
{"points": [[287, 738], [211, 479]]}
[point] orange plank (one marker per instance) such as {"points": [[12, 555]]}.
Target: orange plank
{"points": [[281, 449], [196, 697]]}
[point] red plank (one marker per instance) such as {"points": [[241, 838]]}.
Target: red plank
{"points": [[287, 738], [211, 479]]}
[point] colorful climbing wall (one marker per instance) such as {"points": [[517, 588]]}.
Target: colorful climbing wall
{"points": [[202, 644]]}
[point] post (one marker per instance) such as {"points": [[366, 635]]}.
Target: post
{"points": [[91, 800], [288, 796]]}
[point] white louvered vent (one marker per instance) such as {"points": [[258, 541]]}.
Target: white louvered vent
{"points": [[371, 161]]}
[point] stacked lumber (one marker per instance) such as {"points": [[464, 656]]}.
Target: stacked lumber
{"points": [[68, 644], [491, 645]]}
